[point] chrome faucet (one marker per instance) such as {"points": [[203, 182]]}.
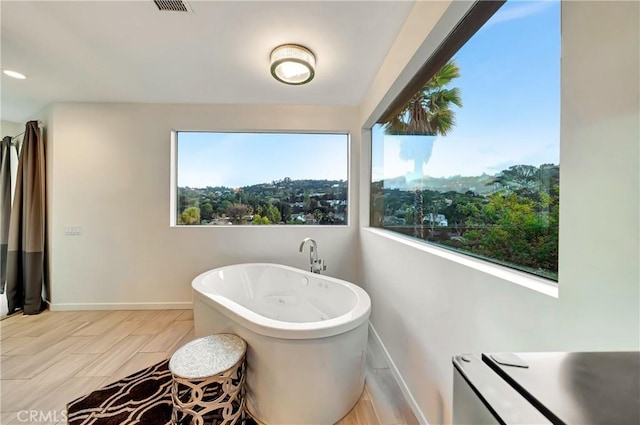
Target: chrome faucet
{"points": [[316, 265]]}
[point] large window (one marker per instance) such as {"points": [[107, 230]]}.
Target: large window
{"points": [[261, 178], [470, 161]]}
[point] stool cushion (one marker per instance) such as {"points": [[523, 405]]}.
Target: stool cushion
{"points": [[207, 356]]}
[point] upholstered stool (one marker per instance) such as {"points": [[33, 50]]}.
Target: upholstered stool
{"points": [[208, 381]]}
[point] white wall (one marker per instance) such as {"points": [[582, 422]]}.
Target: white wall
{"points": [[110, 172], [10, 128], [426, 26], [426, 307]]}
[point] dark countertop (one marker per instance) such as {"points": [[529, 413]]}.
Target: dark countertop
{"points": [[578, 388]]}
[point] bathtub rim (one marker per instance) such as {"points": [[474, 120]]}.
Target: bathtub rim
{"points": [[281, 329]]}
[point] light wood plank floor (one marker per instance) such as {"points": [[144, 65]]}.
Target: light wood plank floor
{"points": [[52, 358]]}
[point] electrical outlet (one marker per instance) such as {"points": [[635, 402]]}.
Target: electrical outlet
{"points": [[72, 230]]}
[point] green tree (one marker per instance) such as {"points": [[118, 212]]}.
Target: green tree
{"points": [[518, 230], [273, 214], [190, 216], [428, 112], [378, 201], [285, 210], [258, 219], [410, 215], [236, 213], [224, 207], [518, 178], [206, 211], [317, 215]]}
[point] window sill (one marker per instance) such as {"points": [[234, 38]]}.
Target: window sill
{"points": [[526, 280]]}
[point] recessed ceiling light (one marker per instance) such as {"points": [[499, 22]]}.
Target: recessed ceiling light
{"points": [[293, 64], [14, 74]]}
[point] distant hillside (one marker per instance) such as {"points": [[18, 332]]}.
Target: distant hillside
{"points": [[461, 184], [293, 186]]}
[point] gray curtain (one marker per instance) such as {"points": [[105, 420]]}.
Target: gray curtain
{"points": [[25, 259], [5, 206]]}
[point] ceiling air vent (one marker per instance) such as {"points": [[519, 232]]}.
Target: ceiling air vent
{"points": [[172, 5]]}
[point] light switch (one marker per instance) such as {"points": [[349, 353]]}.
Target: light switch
{"points": [[72, 230]]}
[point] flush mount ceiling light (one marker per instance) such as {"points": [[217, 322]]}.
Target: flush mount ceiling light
{"points": [[14, 74], [293, 64]]}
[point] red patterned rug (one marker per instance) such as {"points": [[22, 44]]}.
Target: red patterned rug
{"points": [[141, 398]]}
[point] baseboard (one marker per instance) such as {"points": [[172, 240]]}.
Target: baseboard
{"points": [[396, 374], [120, 306]]}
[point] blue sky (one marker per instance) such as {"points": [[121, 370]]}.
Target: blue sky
{"points": [[510, 84], [242, 159]]}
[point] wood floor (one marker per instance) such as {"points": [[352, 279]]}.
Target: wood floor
{"points": [[52, 358]]}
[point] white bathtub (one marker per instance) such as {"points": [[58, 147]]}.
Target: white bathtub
{"points": [[306, 333]]}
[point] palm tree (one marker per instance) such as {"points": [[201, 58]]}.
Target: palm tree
{"points": [[427, 113]]}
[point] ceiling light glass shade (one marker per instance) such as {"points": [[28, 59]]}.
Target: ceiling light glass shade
{"points": [[14, 74], [293, 64]]}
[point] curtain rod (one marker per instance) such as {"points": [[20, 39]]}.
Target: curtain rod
{"points": [[17, 135], [40, 126]]}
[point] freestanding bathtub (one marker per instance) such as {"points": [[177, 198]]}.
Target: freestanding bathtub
{"points": [[306, 336]]}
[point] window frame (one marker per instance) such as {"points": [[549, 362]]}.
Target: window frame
{"points": [[173, 189], [472, 21]]}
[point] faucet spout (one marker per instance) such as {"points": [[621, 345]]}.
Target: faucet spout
{"points": [[313, 248], [316, 265]]}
